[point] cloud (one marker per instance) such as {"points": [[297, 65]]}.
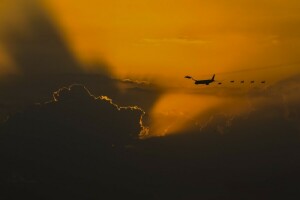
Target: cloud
{"points": [[43, 62], [76, 107], [175, 40], [75, 133], [245, 153], [220, 106], [135, 82], [80, 138], [75, 136], [39, 48], [271, 109], [79, 94]]}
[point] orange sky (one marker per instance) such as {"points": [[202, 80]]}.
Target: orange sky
{"points": [[172, 38], [168, 39]]}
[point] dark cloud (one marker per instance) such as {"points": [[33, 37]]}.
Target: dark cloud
{"points": [[250, 155], [75, 109], [65, 148], [44, 63], [41, 49], [75, 137]]}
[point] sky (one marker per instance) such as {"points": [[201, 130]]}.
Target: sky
{"points": [[159, 42], [165, 40], [172, 38]]}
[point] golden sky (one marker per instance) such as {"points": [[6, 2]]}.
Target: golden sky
{"points": [[175, 37], [168, 39]]}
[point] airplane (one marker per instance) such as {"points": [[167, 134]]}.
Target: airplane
{"points": [[206, 82]]}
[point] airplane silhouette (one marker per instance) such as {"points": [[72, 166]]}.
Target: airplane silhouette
{"points": [[204, 82]]}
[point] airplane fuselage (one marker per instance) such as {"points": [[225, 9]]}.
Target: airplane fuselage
{"points": [[204, 82]]}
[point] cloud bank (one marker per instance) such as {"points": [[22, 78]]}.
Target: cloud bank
{"points": [[65, 146]]}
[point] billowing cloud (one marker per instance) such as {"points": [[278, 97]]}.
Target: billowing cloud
{"points": [[76, 110], [80, 138], [42, 61], [75, 136]]}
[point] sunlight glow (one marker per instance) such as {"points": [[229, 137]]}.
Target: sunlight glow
{"points": [[175, 111]]}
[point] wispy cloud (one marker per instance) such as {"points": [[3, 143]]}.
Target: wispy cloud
{"points": [[174, 40], [138, 82]]}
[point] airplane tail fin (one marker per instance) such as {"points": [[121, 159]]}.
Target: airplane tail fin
{"points": [[213, 78]]}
